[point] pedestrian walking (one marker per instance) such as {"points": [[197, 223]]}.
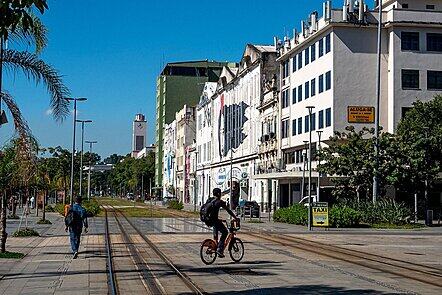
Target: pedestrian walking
{"points": [[75, 219], [32, 202]]}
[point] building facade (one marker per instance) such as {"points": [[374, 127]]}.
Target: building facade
{"points": [[169, 160], [139, 132], [331, 65], [178, 84]]}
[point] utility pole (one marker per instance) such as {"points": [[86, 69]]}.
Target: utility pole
{"points": [[310, 110], [378, 103], [89, 170], [319, 163], [74, 124], [82, 151]]}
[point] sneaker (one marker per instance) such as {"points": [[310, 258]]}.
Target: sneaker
{"points": [[75, 255], [220, 254]]}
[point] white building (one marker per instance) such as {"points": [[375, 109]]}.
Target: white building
{"points": [[331, 65], [139, 129], [236, 121], [169, 173], [204, 136]]}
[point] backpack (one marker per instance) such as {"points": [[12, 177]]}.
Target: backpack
{"points": [[206, 212], [72, 218]]}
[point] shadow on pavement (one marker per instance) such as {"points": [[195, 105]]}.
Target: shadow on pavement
{"points": [[303, 290]]}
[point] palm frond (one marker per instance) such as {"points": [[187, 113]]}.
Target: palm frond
{"points": [[36, 69], [25, 144], [36, 35]]}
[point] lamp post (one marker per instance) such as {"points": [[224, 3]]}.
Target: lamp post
{"points": [[378, 99], [310, 110], [89, 170], [319, 163], [74, 123], [304, 161], [82, 150]]}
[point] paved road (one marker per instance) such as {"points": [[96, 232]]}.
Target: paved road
{"points": [[267, 268]]}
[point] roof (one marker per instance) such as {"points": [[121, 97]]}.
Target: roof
{"points": [[265, 48]]}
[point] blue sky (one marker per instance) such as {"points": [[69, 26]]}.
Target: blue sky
{"points": [[111, 52]]}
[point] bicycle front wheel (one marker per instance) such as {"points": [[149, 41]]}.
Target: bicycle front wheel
{"points": [[236, 250], [208, 251]]}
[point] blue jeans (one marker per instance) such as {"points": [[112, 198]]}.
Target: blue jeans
{"points": [[75, 240]]}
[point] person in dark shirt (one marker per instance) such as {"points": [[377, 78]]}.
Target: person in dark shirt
{"points": [[76, 228], [218, 225]]}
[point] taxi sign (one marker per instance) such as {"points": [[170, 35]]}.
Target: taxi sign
{"points": [[360, 114], [320, 214]]}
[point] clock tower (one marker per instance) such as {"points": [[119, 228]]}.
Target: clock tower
{"points": [[139, 129]]}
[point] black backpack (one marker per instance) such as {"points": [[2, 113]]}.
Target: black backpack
{"points": [[207, 211], [72, 218]]}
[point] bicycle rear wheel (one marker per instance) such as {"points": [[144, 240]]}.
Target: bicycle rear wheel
{"points": [[208, 251], [236, 250]]}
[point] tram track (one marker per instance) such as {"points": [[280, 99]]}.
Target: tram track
{"points": [[413, 271], [136, 250]]}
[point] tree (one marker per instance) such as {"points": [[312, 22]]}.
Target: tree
{"points": [[420, 137], [349, 160]]}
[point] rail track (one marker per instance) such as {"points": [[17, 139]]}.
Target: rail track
{"points": [[413, 271], [405, 269], [147, 274]]}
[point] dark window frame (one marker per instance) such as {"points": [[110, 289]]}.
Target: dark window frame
{"points": [[407, 79], [434, 45], [408, 41], [294, 129], [328, 117], [313, 87], [307, 56], [327, 43], [434, 80], [328, 82], [321, 83], [321, 119], [300, 93], [313, 52], [307, 90], [299, 125]]}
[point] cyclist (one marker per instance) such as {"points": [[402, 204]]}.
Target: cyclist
{"points": [[218, 225]]}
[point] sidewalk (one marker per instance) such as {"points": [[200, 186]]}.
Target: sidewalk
{"points": [[48, 267]]}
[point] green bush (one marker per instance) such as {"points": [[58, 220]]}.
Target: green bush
{"points": [[174, 204], [50, 208], [59, 208], [343, 216], [296, 214], [92, 207], [26, 232], [386, 211]]}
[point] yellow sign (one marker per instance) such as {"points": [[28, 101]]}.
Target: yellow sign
{"points": [[360, 114], [320, 213]]}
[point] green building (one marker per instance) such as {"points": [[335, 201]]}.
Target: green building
{"points": [[178, 84]]}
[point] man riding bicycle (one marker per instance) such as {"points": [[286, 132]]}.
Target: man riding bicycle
{"points": [[218, 225]]}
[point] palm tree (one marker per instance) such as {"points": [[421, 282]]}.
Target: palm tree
{"points": [[27, 29]]}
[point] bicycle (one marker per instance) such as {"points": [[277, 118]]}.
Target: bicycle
{"points": [[233, 244]]}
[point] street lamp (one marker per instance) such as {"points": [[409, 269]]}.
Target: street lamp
{"points": [[89, 170], [319, 163], [71, 191], [377, 109], [82, 150], [310, 110]]}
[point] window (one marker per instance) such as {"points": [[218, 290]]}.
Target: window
{"points": [[405, 5], [306, 124], [410, 41], [410, 79], [307, 89], [430, 7], [294, 95], [299, 125], [299, 60], [285, 128], [285, 69], [313, 87], [313, 121], [434, 80], [327, 43], [307, 56], [328, 80], [285, 97], [434, 42], [321, 47], [328, 117], [321, 119], [299, 93], [294, 64], [294, 127], [321, 83], [313, 52]]}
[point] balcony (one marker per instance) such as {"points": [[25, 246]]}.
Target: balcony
{"points": [[414, 16]]}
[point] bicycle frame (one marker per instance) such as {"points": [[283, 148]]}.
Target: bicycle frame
{"points": [[230, 236]]}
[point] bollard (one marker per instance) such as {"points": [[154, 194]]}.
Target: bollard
{"points": [[429, 218]]}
